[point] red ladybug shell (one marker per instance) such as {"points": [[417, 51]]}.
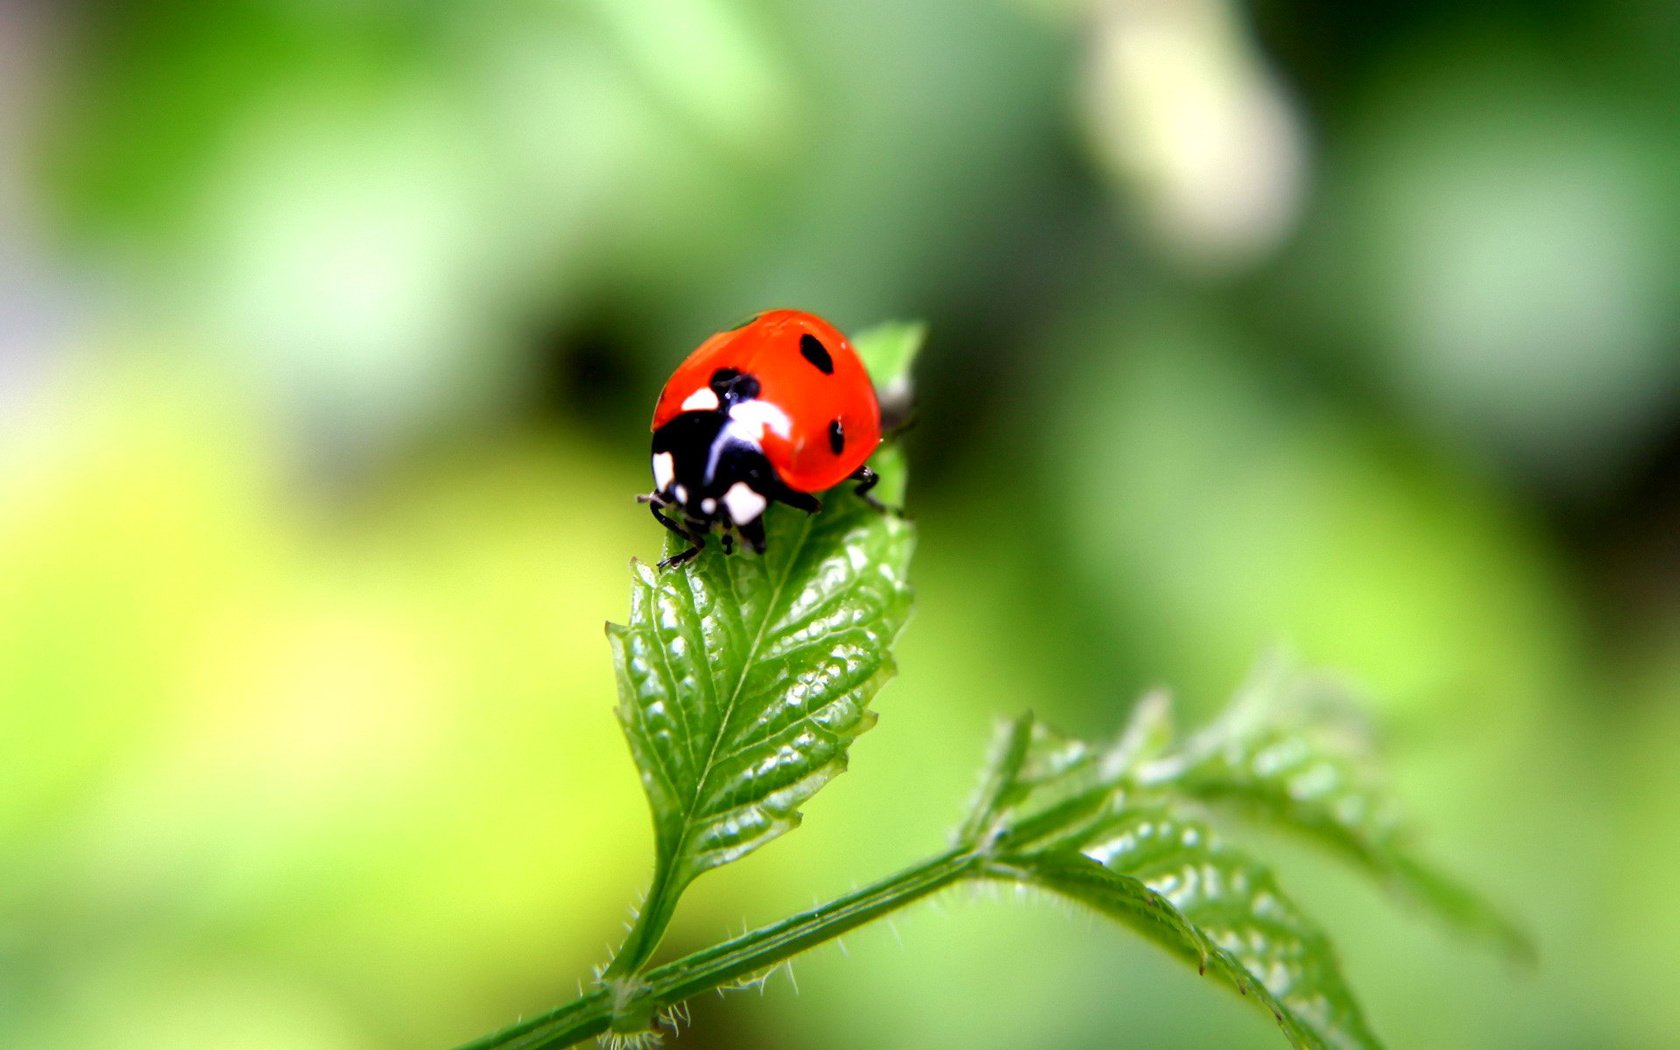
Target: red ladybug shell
{"points": [[822, 420]]}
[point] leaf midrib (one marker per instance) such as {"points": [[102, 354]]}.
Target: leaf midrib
{"points": [[740, 684]]}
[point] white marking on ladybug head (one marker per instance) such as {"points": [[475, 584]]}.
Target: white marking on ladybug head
{"points": [[749, 419], [708, 506], [744, 504], [702, 400], [681, 492], [664, 469]]}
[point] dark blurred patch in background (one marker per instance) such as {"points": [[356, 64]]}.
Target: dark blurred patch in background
{"points": [[328, 338]]}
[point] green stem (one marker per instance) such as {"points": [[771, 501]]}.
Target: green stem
{"points": [[629, 1000], [649, 927]]}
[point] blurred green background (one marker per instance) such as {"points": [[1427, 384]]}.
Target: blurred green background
{"points": [[328, 337]]}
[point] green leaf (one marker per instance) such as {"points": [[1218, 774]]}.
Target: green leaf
{"points": [[1216, 911], [1261, 943], [1076, 819], [1124, 897], [1045, 791], [744, 678], [1291, 754]]}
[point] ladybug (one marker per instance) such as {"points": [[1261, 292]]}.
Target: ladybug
{"points": [[770, 411]]}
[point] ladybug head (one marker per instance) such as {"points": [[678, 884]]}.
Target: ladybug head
{"points": [[707, 463]]}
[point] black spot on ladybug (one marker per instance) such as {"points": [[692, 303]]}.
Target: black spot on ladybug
{"points": [[836, 437], [816, 353], [731, 385]]}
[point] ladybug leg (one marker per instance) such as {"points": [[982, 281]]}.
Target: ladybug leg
{"points": [[867, 479], [794, 498], [654, 506], [698, 540], [728, 541], [683, 557]]}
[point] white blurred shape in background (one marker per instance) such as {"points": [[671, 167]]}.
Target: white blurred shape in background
{"points": [[1187, 118]]}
